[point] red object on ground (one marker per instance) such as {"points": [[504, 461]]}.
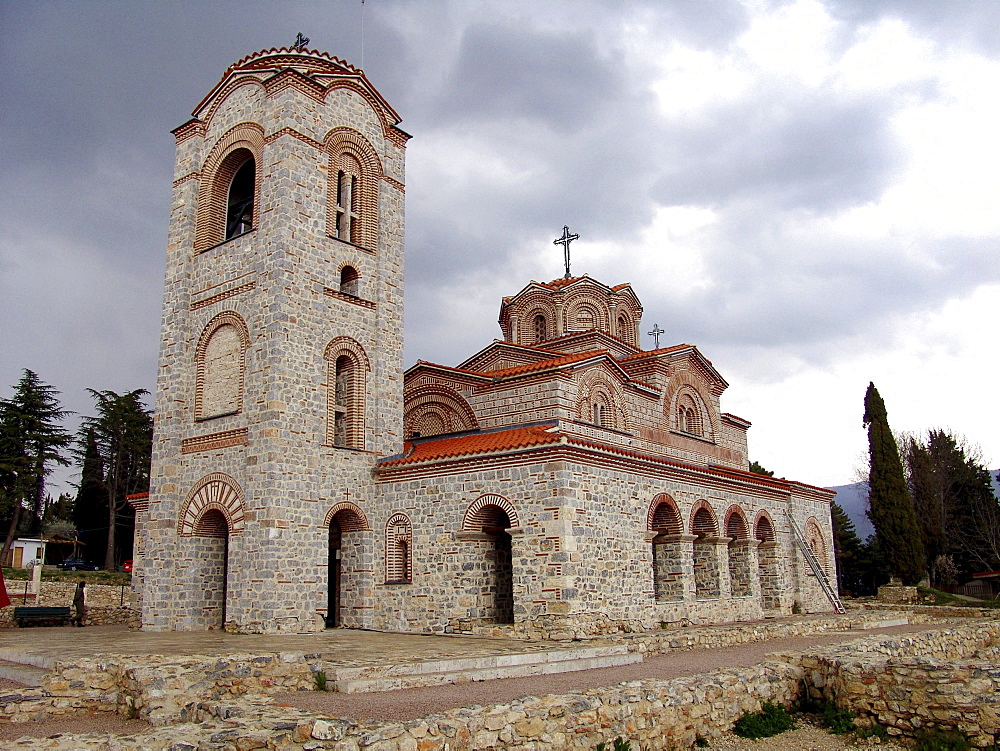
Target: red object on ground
{"points": [[127, 566], [4, 599]]}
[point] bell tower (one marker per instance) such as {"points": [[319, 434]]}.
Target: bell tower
{"points": [[280, 367]]}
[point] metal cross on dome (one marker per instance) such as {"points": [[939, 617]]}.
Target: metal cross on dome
{"points": [[655, 333], [565, 240], [300, 41]]}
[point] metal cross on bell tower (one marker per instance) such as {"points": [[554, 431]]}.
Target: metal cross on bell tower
{"points": [[565, 240], [655, 333]]}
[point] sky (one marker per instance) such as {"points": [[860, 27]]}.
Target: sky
{"points": [[807, 191]]}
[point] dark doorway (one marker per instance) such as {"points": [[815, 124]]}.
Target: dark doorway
{"points": [[504, 585], [333, 591], [213, 525]]}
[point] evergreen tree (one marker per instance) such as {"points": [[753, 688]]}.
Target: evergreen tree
{"points": [[123, 435], [757, 469], [90, 511], [890, 507], [32, 440], [954, 501], [849, 551]]}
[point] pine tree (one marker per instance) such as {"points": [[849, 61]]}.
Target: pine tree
{"points": [[848, 549], [32, 440], [123, 434], [890, 507]]}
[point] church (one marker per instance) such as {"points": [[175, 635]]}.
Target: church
{"points": [[562, 482]]}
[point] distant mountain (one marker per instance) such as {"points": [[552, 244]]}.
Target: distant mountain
{"points": [[854, 500]]}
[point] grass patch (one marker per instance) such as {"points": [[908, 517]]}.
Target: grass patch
{"points": [[319, 679], [930, 596], [941, 740], [619, 745], [772, 719]]}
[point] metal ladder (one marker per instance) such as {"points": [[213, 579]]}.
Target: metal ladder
{"points": [[821, 577]]}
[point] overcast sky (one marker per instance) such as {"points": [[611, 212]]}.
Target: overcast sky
{"points": [[807, 191]]}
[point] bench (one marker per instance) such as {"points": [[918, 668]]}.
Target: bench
{"points": [[25, 615]]}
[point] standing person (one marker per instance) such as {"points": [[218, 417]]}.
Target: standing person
{"points": [[80, 603], [4, 599]]}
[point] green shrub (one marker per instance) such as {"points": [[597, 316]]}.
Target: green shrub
{"points": [[319, 678], [700, 741], [872, 731], [770, 720], [619, 745], [941, 740], [837, 721]]}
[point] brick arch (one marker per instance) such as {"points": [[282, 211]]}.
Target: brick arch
{"points": [[763, 527], [594, 387], [439, 401], [816, 541], [736, 523], [398, 549], [352, 518], [598, 312], [528, 334], [217, 492], [349, 279], [225, 318], [226, 92], [478, 514], [343, 145], [663, 516], [683, 384], [389, 130], [345, 411], [703, 522], [623, 315], [216, 175], [533, 302]]}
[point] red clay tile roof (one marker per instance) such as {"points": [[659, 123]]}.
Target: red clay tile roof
{"points": [[560, 283], [656, 352], [479, 443], [555, 362]]}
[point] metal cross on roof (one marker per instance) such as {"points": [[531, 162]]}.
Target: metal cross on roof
{"points": [[565, 240], [300, 41], [655, 333]]}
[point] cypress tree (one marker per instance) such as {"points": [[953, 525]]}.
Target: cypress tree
{"points": [[890, 507], [90, 512]]}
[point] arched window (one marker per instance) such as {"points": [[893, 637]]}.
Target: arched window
{"points": [[540, 328], [599, 414], [398, 544], [624, 329], [352, 188], [220, 361], [688, 416], [347, 368], [584, 319], [349, 279], [228, 187], [240, 208], [347, 225]]}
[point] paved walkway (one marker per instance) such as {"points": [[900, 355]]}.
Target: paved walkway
{"points": [[42, 646]]}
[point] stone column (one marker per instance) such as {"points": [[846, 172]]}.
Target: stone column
{"points": [[673, 567], [743, 567]]}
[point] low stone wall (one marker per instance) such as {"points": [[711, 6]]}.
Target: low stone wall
{"points": [[944, 679], [106, 604]]}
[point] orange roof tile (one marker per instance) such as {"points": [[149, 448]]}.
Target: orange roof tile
{"points": [[555, 362], [560, 283], [478, 443]]}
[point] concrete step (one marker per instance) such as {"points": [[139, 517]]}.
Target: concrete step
{"points": [[367, 679], [27, 675]]}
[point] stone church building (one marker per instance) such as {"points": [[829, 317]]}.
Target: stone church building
{"points": [[560, 481]]}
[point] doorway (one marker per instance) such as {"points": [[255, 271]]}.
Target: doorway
{"points": [[333, 590]]}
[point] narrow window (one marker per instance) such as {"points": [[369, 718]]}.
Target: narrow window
{"points": [[540, 333], [348, 220], [239, 214], [349, 281], [623, 329], [342, 398], [398, 544], [599, 415]]}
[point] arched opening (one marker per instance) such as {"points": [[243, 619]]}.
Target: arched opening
{"points": [[500, 580], [739, 549], [213, 571], [706, 562], [239, 204], [349, 281], [348, 569], [668, 552], [342, 393], [768, 564], [625, 332]]}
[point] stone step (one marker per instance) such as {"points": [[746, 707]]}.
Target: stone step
{"points": [[367, 679], [27, 675]]}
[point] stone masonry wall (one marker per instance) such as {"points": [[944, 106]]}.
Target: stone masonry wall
{"points": [[106, 604]]}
